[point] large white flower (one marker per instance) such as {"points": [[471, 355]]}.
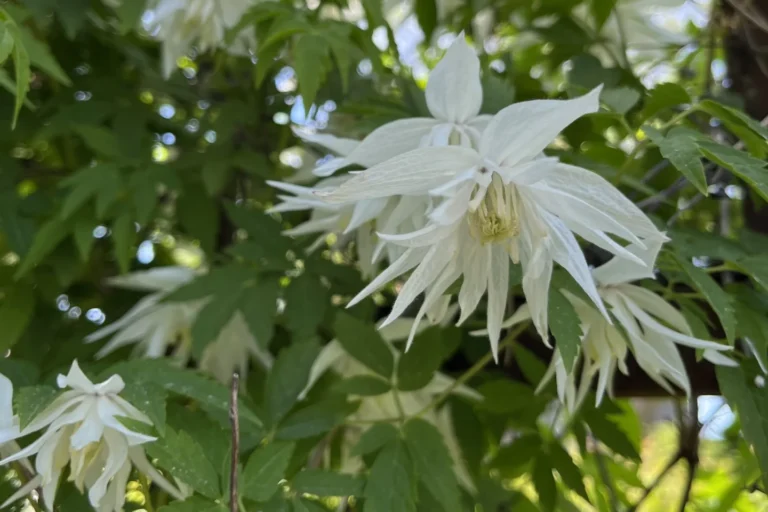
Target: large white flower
{"points": [[181, 24], [83, 430], [385, 406], [652, 326], [504, 200], [157, 327], [454, 97]]}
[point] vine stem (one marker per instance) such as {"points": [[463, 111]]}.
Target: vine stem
{"points": [[234, 418], [474, 370]]}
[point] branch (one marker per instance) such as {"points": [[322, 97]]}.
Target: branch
{"points": [[688, 485], [678, 456], [234, 418]]}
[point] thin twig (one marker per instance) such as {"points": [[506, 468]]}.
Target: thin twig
{"points": [[648, 490], [653, 202], [234, 418], [688, 485]]}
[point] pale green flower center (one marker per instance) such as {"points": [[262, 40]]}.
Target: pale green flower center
{"points": [[496, 219]]}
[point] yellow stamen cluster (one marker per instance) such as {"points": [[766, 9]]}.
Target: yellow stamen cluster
{"points": [[496, 218]]}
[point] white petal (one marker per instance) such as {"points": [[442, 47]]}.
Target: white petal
{"points": [[434, 294], [621, 270], [412, 173], [432, 265], [155, 279], [391, 140], [537, 273], [365, 211], [428, 235], [330, 167], [716, 357], [6, 402], [76, 379], [566, 252], [403, 264], [605, 242], [53, 412], [328, 356], [90, 430], [141, 308], [522, 130], [117, 455], [108, 413], [339, 145], [498, 287], [480, 123], [24, 491], [656, 306], [574, 190], [454, 92], [322, 225], [476, 266], [139, 460], [650, 324]]}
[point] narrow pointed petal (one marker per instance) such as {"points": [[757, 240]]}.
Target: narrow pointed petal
{"points": [[454, 92], [76, 379], [139, 460], [118, 453], [6, 402], [446, 279], [537, 273], [656, 306], [156, 279], [321, 225], [498, 287], [716, 357], [621, 270], [600, 239], [522, 130], [328, 356], [412, 173], [25, 490], [338, 145], [365, 211], [426, 236], [391, 140], [476, 266], [400, 266]]}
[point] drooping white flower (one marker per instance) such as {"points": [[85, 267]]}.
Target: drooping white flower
{"points": [[501, 201], [454, 97], [181, 24], [385, 406], [83, 431], [157, 327], [653, 327]]}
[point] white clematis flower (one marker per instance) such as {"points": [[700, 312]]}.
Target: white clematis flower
{"points": [[652, 325], [454, 96], [157, 327], [83, 430], [501, 201], [181, 24], [384, 407]]}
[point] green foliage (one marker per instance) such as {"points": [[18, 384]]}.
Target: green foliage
{"points": [[265, 468]]}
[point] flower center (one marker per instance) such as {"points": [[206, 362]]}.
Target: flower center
{"points": [[496, 218]]}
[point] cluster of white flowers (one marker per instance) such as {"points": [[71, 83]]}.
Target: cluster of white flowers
{"points": [[82, 430], [182, 24], [461, 196], [159, 328]]}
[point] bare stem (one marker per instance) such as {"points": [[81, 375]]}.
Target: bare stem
{"points": [[234, 418]]}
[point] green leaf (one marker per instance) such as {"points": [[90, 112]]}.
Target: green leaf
{"points": [[315, 419], [288, 378], [610, 433], [265, 468], [84, 239], [327, 483], [216, 174], [563, 463], [363, 385], [426, 14], [391, 482], [363, 342], [497, 94], [418, 365], [748, 168], [433, 463], [683, 152], [99, 139], [6, 44], [620, 99], [123, 235], [664, 96], [306, 301], [513, 459], [749, 401], [30, 401], [23, 73], [719, 300], [220, 281], [259, 306], [16, 312], [505, 396], [149, 398], [544, 482], [193, 504], [211, 320], [283, 28], [185, 459], [374, 438], [312, 63], [374, 13], [733, 118], [186, 383], [198, 214], [305, 505], [259, 227], [130, 14], [565, 326], [601, 11], [755, 267], [21, 373], [72, 14], [46, 240], [40, 56]]}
